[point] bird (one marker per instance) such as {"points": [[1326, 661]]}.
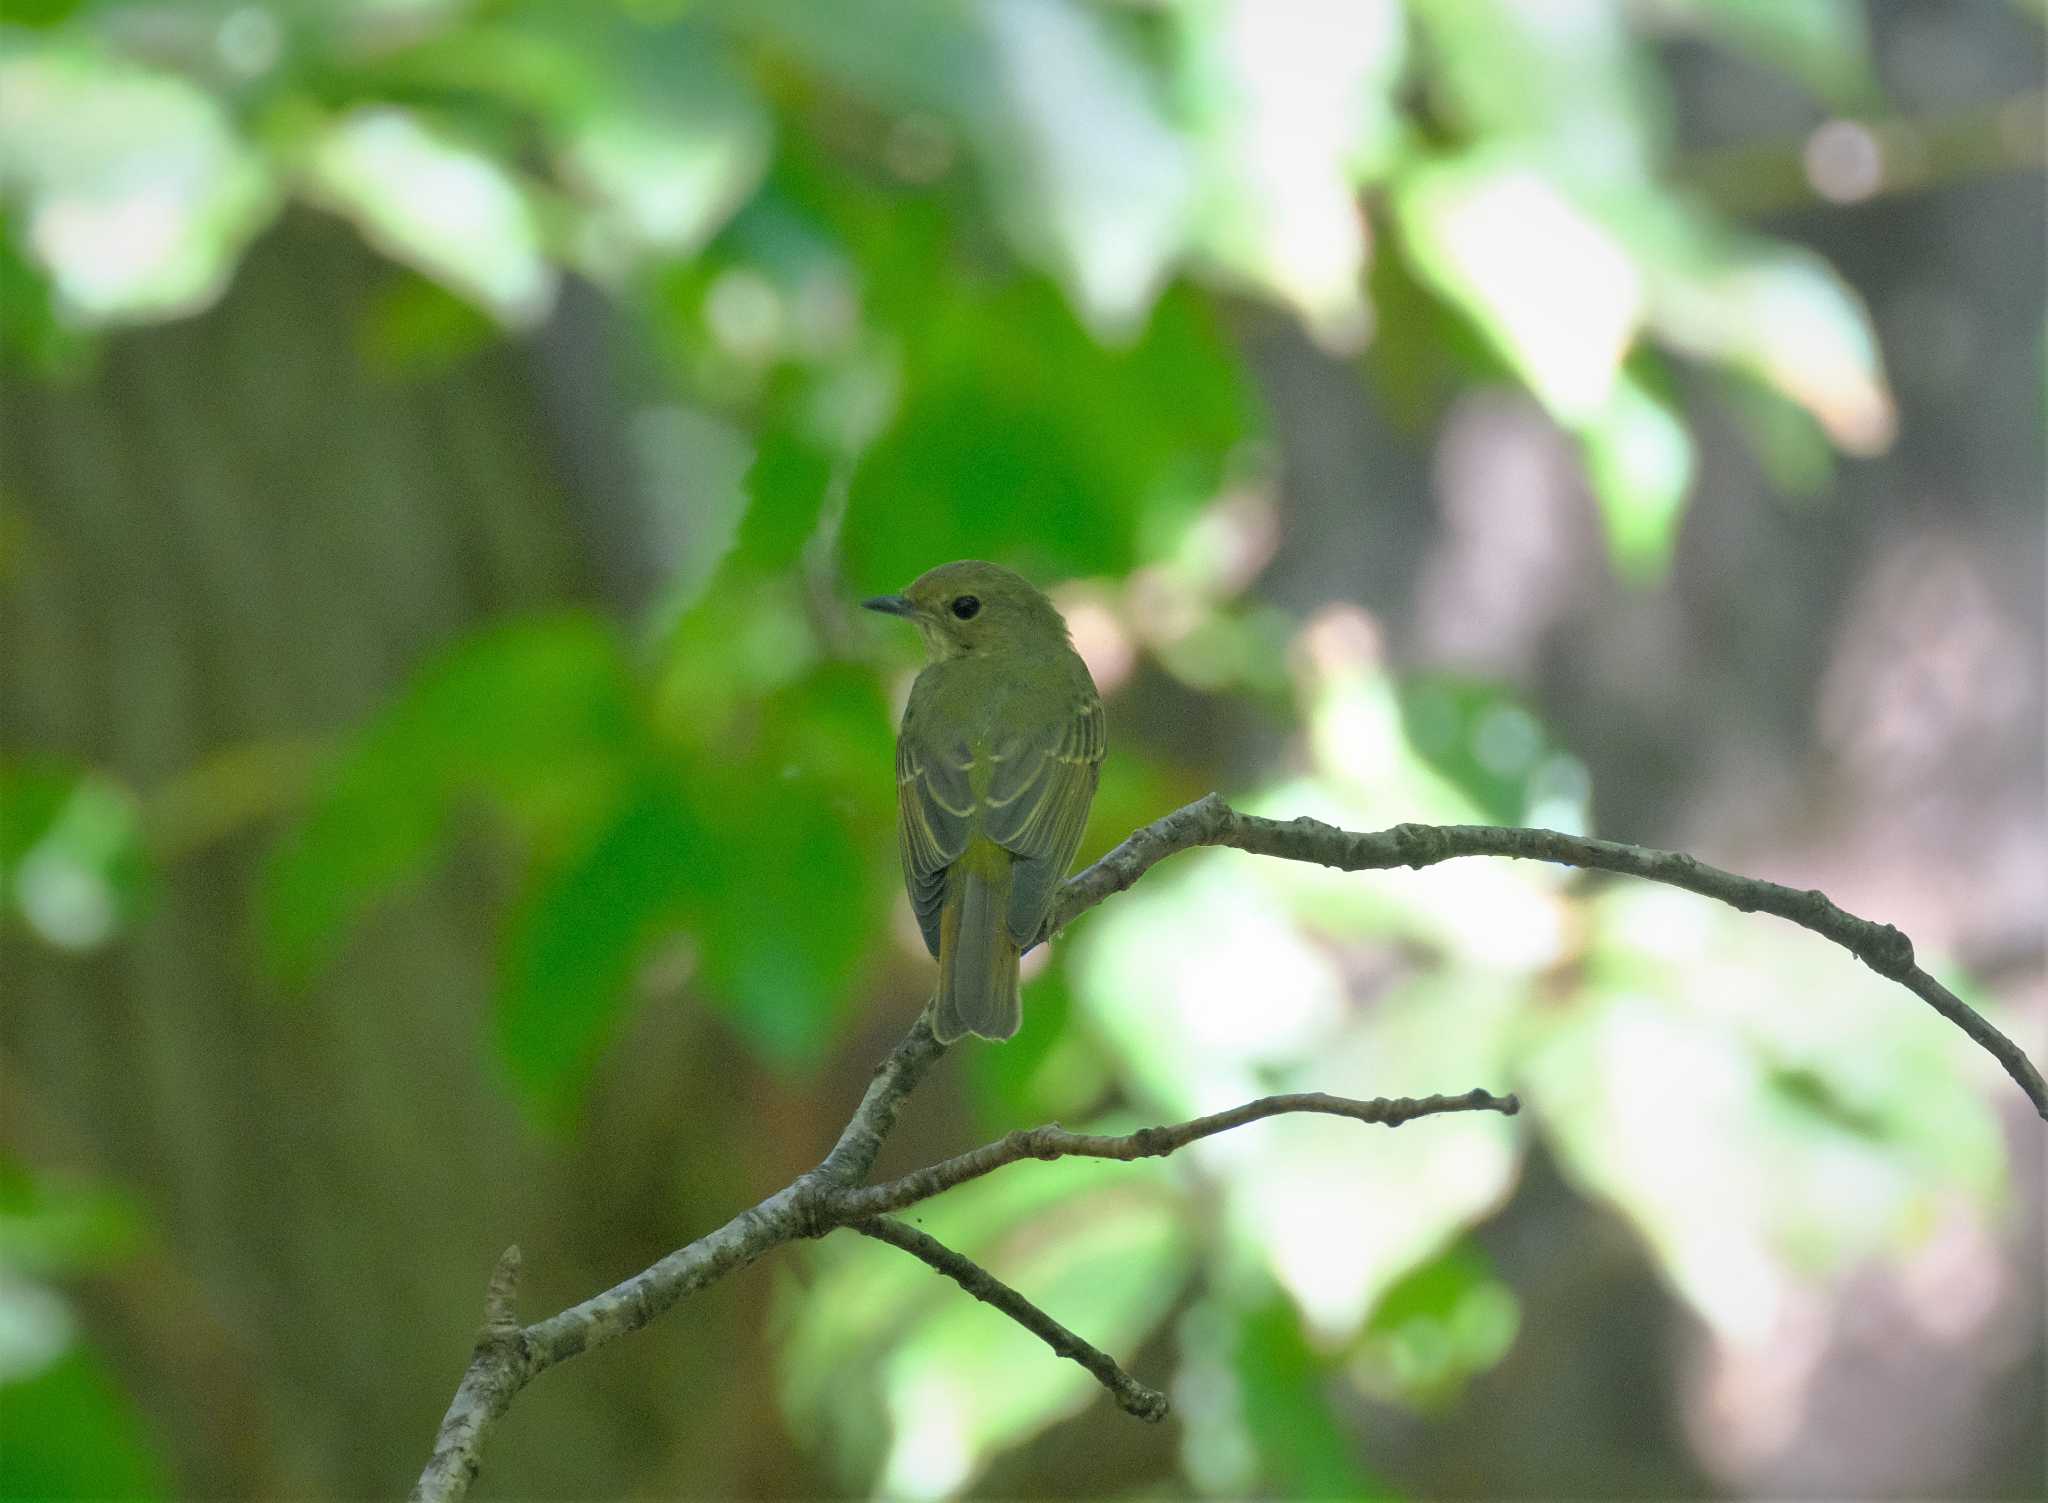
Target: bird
{"points": [[997, 760]]}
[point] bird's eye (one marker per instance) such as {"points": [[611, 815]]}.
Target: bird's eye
{"points": [[966, 607]]}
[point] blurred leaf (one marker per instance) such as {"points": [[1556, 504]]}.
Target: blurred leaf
{"points": [[688, 466], [1813, 1137], [798, 821], [1303, 1453], [1046, 1072], [1482, 737], [1444, 1323], [1090, 174], [1775, 312], [786, 491], [32, 332], [39, 14], [1556, 293], [1294, 106], [538, 717], [71, 1433], [1086, 174], [133, 191], [51, 1225], [1639, 458], [73, 866], [584, 930], [415, 327], [1021, 437], [673, 142], [444, 207], [1825, 44], [1785, 438], [1564, 83]]}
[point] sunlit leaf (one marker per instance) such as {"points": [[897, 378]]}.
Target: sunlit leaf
{"points": [[135, 194], [1563, 80], [1092, 176], [1774, 312], [449, 209], [1559, 296], [1639, 458], [672, 141], [1066, 124], [1295, 108], [1795, 1141]]}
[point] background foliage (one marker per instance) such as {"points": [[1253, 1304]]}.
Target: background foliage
{"points": [[445, 794]]}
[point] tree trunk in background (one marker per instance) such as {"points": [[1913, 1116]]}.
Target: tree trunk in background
{"points": [[330, 1177]]}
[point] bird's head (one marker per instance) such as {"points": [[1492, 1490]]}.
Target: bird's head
{"points": [[972, 607]]}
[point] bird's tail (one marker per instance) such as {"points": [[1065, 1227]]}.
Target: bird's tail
{"points": [[977, 957]]}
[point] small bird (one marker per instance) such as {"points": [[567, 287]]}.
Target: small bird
{"points": [[995, 768]]}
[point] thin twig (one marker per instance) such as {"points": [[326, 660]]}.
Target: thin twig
{"points": [[1055, 1142], [1131, 1396]]}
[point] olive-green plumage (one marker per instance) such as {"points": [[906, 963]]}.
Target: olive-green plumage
{"points": [[995, 768]]}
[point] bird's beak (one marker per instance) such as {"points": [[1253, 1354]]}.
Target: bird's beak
{"points": [[890, 605]]}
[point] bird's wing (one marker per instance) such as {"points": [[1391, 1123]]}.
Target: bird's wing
{"points": [[1037, 806], [934, 817]]}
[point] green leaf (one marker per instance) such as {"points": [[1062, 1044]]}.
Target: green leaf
{"points": [[1065, 121], [72, 1433], [1816, 1136], [1639, 457], [1825, 44], [33, 334], [1302, 1451], [416, 327], [1443, 1324], [1786, 440], [1020, 437], [786, 492], [73, 866], [1775, 312], [1565, 84], [801, 810], [1558, 295], [538, 719], [135, 190], [449, 209], [1480, 736], [588, 923], [51, 1225], [1292, 107]]}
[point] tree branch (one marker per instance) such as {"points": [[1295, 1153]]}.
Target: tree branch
{"points": [[507, 1357], [1132, 1397], [1055, 1142], [1212, 822]]}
